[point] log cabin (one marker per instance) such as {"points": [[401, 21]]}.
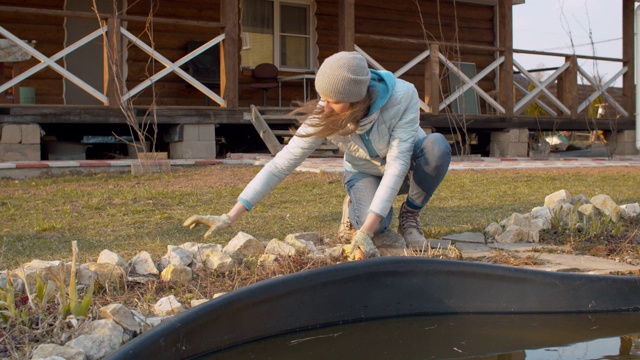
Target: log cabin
{"points": [[179, 74]]}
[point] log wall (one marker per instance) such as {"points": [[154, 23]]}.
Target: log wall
{"points": [[48, 31], [443, 22], [170, 40]]}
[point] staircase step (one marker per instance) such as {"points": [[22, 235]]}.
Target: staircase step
{"points": [[281, 132], [280, 119]]}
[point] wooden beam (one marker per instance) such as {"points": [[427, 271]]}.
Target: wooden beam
{"points": [[432, 80], [104, 16], [628, 56], [114, 82], [442, 123], [505, 41], [230, 53], [401, 40], [568, 86], [547, 53], [265, 131], [346, 25]]}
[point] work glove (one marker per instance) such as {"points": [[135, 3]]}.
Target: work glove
{"points": [[214, 223], [362, 241]]}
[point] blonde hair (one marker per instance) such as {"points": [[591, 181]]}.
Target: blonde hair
{"points": [[325, 125]]}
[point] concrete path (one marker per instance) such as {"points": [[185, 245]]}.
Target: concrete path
{"points": [[548, 258], [26, 169]]}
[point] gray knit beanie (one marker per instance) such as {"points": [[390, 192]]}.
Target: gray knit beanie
{"points": [[343, 76]]}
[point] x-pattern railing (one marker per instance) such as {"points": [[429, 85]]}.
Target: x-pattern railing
{"points": [[540, 87], [601, 89], [51, 62], [169, 66], [471, 83], [401, 71], [468, 83], [172, 67]]}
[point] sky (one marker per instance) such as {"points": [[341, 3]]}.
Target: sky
{"points": [[554, 25]]}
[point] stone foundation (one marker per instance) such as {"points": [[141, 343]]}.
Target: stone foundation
{"points": [[509, 143], [626, 143], [193, 141], [20, 142]]}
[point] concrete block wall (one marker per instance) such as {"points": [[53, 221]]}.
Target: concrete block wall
{"points": [[20, 142], [626, 143], [509, 143], [195, 141]]}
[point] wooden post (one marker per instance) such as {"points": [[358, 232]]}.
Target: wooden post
{"points": [[628, 57], [505, 39], [114, 82], [15, 71], [346, 25], [229, 53], [432, 80], [568, 86]]}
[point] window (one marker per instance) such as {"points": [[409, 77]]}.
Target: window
{"points": [[277, 32]]}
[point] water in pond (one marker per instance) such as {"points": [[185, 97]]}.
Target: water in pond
{"points": [[547, 336]]}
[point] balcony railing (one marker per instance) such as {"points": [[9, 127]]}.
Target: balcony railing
{"points": [[563, 103]]}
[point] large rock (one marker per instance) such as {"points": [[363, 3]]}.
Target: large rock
{"points": [[606, 206], [219, 261], [541, 212], [492, 230], [279, 248], [48, 351], [109, 257], [109, 275], [176, 274], [629, 211], [300, 244], [390, 243], [177, 256], [589, 211], [98, 338], [313, 237], [142, 264], [560, 196], [47, 270], [121, 315], [513, 234], [168, 305], [242, 246], [518, 219], [197, 250]]}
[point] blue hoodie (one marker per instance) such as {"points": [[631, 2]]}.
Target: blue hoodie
{"points": [[381, 85]]}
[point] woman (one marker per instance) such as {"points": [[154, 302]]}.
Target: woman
{"points": [[374, 119]]}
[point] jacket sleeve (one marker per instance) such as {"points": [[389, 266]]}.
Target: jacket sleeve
{"points": [[401, 142], [283, 164]]}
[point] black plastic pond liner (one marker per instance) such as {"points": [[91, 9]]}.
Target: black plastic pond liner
{"points": [[378, 288]]}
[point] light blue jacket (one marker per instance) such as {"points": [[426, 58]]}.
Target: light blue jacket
{"points": [[383, 148]]}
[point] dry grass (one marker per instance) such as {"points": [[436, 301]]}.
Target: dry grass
{"points": [[510, 258]]}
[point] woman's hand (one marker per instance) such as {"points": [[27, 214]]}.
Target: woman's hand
{"points": [[214, 223], [361, 247]]}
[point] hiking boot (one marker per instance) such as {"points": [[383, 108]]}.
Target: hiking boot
{"points": [[409, 227], [346, 231]]}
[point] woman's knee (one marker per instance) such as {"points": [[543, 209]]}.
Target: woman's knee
{"points": [[436, 143], [437, 151]]}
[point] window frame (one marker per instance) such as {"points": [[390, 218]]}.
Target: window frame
{"points": [[277, 33]]}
